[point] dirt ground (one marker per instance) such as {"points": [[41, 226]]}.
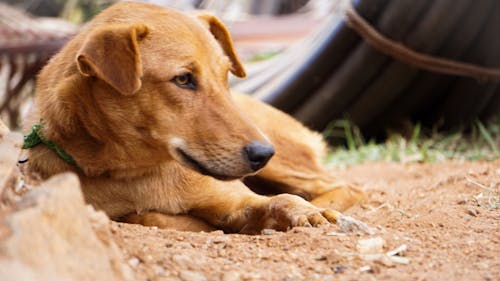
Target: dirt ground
{"points": [[443, 214]]}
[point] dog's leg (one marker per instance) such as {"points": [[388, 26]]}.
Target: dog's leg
{"points": [[177, 222], [232, 207], [249, 216], [296, 167]]}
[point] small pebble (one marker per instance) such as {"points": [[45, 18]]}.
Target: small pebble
{"points": [[473, 212], [339, 269], [184, 245], [321, 258], [187, 275], [159, 270], [335, 233], [231, 276], [133, 262], [221, 239], [183, 261], [365, 268], [370, 269], [373, 245], [267, 231]]}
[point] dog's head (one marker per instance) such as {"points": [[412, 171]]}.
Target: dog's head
{"points": [[160, 79]]}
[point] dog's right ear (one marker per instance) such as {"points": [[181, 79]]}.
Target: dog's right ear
{"points": [[221, 34], [111, 53]]}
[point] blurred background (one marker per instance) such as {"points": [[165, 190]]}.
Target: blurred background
{"points": [[303, 58], [31, 31]]}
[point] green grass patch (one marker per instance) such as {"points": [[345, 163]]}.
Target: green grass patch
{"points": [[480, 142]]}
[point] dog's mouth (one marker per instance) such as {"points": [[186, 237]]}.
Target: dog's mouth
{"points": [[199, 167]]}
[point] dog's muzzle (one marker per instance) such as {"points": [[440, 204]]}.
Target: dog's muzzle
{"points": [[253, 157]]}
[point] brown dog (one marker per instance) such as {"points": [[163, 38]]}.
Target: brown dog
{"points": [[140, 101]]}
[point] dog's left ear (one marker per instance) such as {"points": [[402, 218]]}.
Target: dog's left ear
{"points": [[111, 53], [221, 34]]}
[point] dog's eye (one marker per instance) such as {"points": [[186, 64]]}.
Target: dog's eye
{"points": [[185, 81]]}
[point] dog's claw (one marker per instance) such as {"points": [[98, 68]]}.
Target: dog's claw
{"points": [[302, 221], [317, 219], [331, 215]]}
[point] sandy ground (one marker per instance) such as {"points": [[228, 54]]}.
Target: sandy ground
{"points": [[441, 213]]}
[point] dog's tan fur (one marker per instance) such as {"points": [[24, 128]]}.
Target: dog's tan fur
{"points": [[109, 101]]}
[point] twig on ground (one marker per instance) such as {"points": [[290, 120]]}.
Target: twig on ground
{"points": [[493, 199], [391, 208], [478, 184]]}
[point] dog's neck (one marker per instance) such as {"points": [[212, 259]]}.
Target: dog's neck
{"points": [[88, 158]]}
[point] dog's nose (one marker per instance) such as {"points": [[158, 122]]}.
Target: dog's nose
{"points": [[258, 154]]}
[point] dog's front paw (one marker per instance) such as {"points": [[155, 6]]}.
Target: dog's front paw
{"points": [[285, 211]]}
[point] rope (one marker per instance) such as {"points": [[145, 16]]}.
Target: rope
{"points": [[35, 137], [402, 53]]}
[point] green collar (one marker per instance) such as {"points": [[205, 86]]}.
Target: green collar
{"points": [[36, 137]]}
